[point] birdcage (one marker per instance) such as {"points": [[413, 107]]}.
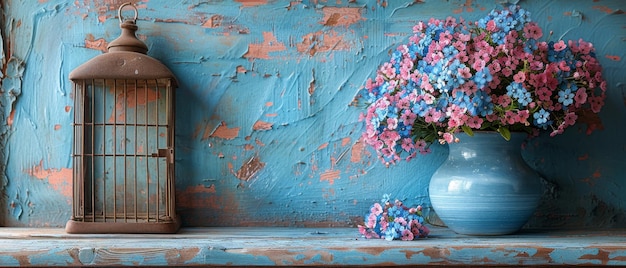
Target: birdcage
{"points": [[123, 151]]}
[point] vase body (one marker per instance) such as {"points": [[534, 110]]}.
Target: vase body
{"points": [[485, 187]]}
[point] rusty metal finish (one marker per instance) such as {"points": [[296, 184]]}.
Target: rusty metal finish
{"points": [[126, 58], [123, 141], [122, 65]]}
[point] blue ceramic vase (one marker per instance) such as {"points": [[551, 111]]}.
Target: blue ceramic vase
{"points": [[485, 187]]}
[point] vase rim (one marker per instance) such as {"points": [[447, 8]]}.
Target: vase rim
{"points": [[493, 132], [483, 136]]}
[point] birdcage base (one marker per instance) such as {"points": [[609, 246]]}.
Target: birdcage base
{"points": [[162, 227]]}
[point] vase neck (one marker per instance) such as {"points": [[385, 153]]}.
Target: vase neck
{"points": [[487, 141]]}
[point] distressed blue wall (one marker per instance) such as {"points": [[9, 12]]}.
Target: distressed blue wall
{"points": [[266, 133]]}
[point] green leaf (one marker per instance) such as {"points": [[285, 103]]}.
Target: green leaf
{"points": [[485, 125], [505, 133], [467, 130]]}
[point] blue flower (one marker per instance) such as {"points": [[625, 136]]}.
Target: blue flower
{"points": [[482, 104], [530, 46], [566, 97], [482, 77], [420, 108], [541, 118], [524, 97], [498, 37], [404, 130]]}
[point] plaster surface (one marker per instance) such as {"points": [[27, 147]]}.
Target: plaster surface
{"points": [[266, 130]]}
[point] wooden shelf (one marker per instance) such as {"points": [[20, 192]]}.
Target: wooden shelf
{"points": [[308, 246]]}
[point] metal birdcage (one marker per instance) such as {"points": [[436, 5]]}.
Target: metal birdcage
{"points": [[123, 151]]}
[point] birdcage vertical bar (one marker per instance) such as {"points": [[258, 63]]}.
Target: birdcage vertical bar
{"points": [[169, 123], [157, 127], [103, 154], [146, 147], [78, 158], [125, 145], [114, 153], [91, 152], [135, 136]]}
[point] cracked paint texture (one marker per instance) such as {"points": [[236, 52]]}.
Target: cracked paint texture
{"points": [[265, 125]]}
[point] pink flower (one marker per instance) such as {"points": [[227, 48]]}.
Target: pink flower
{"points": [[392, 123], [420, 145], [596, 103], [510, 117], [408, 117], [558, 46], [371, 220], [465, 72], [491, 26], [424, 231], [564, 66], [362, 229], [432, 116], [445, 38], [503, 100], [523, 116], [428, 98], [419, 27], [448, 137], [367, 232], [383, 223], [580, 97], [407, 235], [570, 119], [407, 144], [475, 122], [532, 31], [388, 70], [400, 220], [558, 130], [506, 71], [537, 80], [495, 67], [520, 77], [376, 209]]}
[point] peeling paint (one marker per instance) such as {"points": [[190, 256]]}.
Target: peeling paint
{"points": [[59, 179], [213, 21], [201, 189], [224, 132], [262, 50], [330, 176], [252, 3], [314, 43], [249, 169], [10, 118], [262, 125], [467, 6], [613, 57], [604, 9], [97, 44], [341, 16], [357, 151], [345, 141]]}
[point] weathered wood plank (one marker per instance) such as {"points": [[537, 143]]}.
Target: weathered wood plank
{"points": [[307, 246]]}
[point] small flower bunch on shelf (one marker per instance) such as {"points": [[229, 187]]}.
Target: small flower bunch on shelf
{"points": [[394, 221]]}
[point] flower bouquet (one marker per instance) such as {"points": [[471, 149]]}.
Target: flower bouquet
{"points": [[495, 74], [393, 221]]}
